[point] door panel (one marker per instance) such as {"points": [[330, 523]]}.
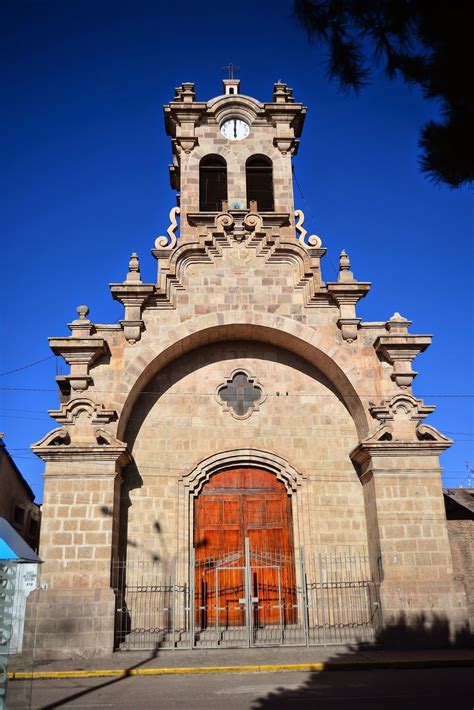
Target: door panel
{"points": [[233, 505]]}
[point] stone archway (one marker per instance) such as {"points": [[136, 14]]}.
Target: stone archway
{"points": [[192, 484], [314, 347]]}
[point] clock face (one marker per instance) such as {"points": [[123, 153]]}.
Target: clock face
{"points": [[234, 129]]}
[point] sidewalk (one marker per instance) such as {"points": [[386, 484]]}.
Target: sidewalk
{"points": [[222, 660]]}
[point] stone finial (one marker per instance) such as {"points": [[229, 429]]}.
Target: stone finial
{"points": [[185, 92], [282, 93], [345, 273], [133, 274], [82, 312], [81, 327], [347, 292], [397, 325], [344, 261]]}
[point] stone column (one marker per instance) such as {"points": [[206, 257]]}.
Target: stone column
{"points": [[407, 530], [75, 608]]}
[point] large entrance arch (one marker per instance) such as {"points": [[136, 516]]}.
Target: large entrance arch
{"points": [[213, 328]]}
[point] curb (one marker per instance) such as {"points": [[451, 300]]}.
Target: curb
{"points": [[270, 668]]}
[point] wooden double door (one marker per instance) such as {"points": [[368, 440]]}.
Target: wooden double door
{"points": [[234, 505]]}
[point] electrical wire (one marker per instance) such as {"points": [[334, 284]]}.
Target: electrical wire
{"points": [[212, 394], [25, 367]]}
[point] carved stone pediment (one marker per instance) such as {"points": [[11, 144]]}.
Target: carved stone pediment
{"points": [[402, 407], [83, 408], [401, 433]]}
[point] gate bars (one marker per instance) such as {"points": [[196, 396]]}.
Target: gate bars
{"points": [[245, 598]]}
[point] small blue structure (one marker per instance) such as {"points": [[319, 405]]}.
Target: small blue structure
{"points": [[12, 546], [16, 559]]}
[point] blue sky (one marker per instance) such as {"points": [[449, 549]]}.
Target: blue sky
{"points": [[85, 183]]}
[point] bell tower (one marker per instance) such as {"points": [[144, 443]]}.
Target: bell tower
{"points": [[233, 153]]}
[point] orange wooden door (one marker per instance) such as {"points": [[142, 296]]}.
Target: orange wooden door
{"points": [[233, 505]]}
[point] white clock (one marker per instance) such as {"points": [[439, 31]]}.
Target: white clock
{"points": [[235, 129]]}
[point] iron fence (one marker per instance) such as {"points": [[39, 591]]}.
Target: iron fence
{"points": [[245, 598]]}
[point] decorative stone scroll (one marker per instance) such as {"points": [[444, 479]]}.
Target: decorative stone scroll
{"points": [[240, 394], [171, 240], [253, 222], [224, 222], [313, 240], [55, 437]]}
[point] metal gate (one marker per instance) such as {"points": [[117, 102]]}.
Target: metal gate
{"points": [[246, 598]]}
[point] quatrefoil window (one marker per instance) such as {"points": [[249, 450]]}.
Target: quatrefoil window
{"points": [[240, 394]]}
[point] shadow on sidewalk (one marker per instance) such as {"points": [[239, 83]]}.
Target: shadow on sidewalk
{"points": [[127, 672], [329, 689]]}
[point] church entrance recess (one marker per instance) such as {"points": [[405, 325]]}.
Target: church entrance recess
{"points": [[244, 585]]}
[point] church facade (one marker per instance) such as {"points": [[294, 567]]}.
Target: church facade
{"points": [[241, 445]]}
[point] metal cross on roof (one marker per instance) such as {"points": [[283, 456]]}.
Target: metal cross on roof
{"points": [[231, 68]]}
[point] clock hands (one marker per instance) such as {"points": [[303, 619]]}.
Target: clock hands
{"points": [[234, 129]]}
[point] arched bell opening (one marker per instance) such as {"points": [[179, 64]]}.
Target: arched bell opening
{"points": [[212, 183], [259, 182]]}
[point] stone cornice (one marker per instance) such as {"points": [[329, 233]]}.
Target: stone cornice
{"points": [[88, 453], [367, 450], [401, 433], [400, 351], [269, 219], [133, 296], [80, 353], [349, 293], [103, 446], [346, 295]]}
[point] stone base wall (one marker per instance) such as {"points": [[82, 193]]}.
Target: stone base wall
{"points": [[461, 539], [69, 623], [431, 613]]}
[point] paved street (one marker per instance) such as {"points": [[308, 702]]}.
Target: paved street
{"points": [[433, 689]]}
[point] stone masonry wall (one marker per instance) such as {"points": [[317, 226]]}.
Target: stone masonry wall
{"points": [[461, 539], [179, 423]]}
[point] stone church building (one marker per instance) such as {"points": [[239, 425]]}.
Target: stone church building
{"points": [[240, 460]]}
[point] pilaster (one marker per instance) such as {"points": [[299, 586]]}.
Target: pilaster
{"points": [[79, 536], [407, 532]]}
